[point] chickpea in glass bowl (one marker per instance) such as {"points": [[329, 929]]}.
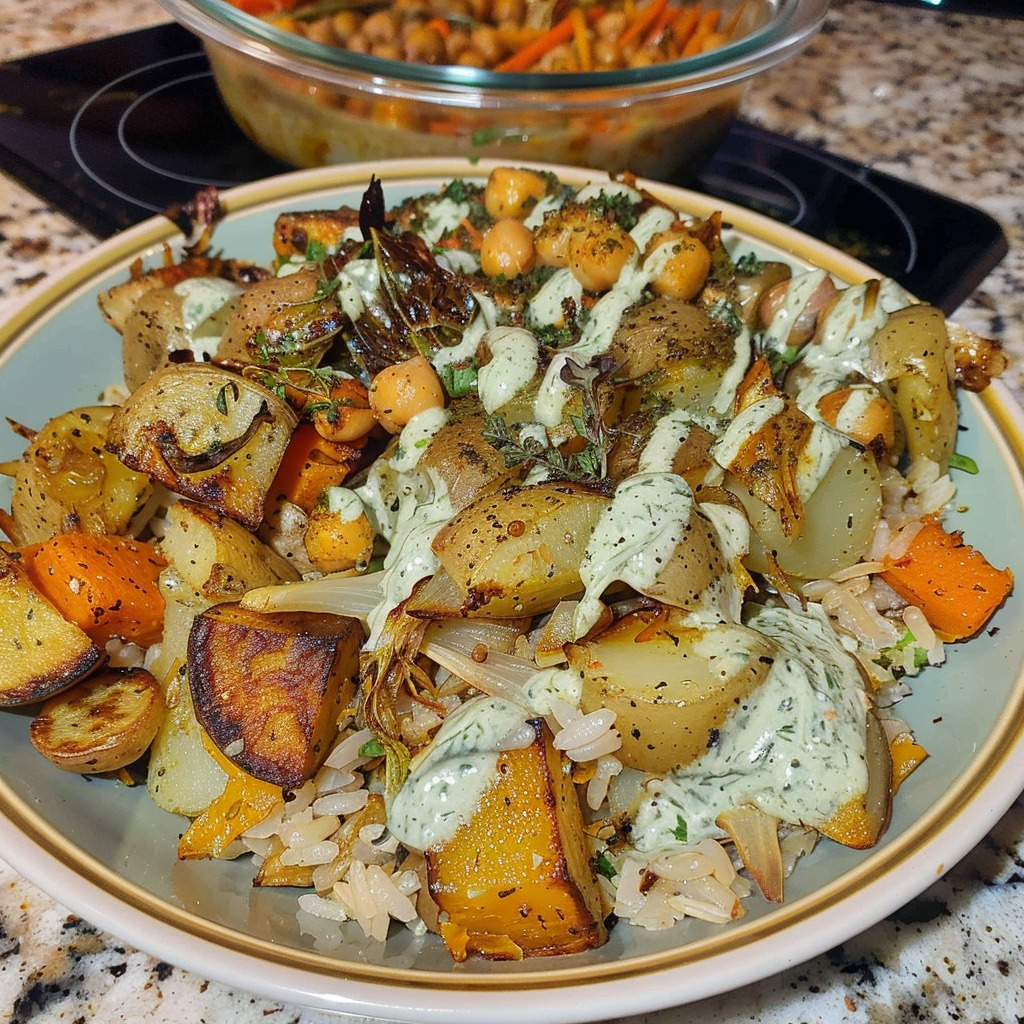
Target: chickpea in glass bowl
{"points": [[631, 85]]}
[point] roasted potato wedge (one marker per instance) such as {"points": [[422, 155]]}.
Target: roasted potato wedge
{"points": [[516, 880], [268, 687], [289, 320], [218, 557], [67, 482], [116, 303], [671, 686], [678, 351], [467, 464], [187, 318], [912, 353], [517, 551], [41, 653], [182, 776], [839, 520], [101, 724], [207, 434]]}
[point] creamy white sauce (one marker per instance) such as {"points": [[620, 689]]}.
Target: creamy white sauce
{"points": [[651, 223], [458, 261], [358, 284], [635, 538], [344, 503], [796, 748], [485, 319], [725, 399], [202, 298], [550, 686], [416, 436], [801, 288], [667, 437], [441, 216], [444, 787], [410, 557], [515, 353], [544, 308], [744, 426]]}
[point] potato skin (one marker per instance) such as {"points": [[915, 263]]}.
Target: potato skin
{"points": [[517, 551], [516, 880], [101, 724], [41, 653], [671, 686], [207, 434], [268, 687]]}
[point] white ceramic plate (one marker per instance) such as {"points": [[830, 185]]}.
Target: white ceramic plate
{"points": [[108, 852]]}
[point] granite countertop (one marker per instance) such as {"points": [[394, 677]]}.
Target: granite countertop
{"points": [[933, 98]]}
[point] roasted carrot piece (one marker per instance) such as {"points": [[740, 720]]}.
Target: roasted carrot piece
{"points": [[560, 32], [310, 465], [104, 584], [953, 584]]}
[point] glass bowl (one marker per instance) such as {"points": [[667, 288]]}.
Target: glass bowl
{"points": [[311, 104]]}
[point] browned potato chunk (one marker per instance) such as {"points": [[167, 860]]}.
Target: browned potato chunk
{"points": [[671, 686], [101, 724], [516, 880], [517, 551], [467, 463], [41, 653], [207, 434], [268, 687], [217, 557], [66, 481], [680, 352]]}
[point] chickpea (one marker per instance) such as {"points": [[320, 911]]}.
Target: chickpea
{"points": [[401, 391], [381, 27], [345, 25], [511, 11], [598, 254], [336, 544], [488, 43], [456, 44], [471, 58], [507, 249], [512, 192], [321, 31], [553, 238], [686, 269], [349, 417], [424, 44], [387, 51]]}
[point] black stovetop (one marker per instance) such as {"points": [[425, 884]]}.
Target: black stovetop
{"points": [[116, 130]]}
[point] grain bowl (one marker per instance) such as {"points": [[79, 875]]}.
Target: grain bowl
{"points": [[311, 104]]}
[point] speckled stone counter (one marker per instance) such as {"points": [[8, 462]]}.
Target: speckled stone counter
{"points": [[936, 99]]}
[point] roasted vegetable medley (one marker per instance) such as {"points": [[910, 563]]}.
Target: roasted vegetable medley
{"points": [[505, 562], [509, 35]]}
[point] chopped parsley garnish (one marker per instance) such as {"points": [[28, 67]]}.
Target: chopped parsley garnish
{"points": [[680, 831], [604, 866]]}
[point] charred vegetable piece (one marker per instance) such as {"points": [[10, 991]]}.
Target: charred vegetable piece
{"points": [[106, 585], [268, 687], [101, 724], [288, 320], [518, 550], [206, 434], [516, 880], [672, 686], [295, 233], [41, 652], [67, 482]]}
